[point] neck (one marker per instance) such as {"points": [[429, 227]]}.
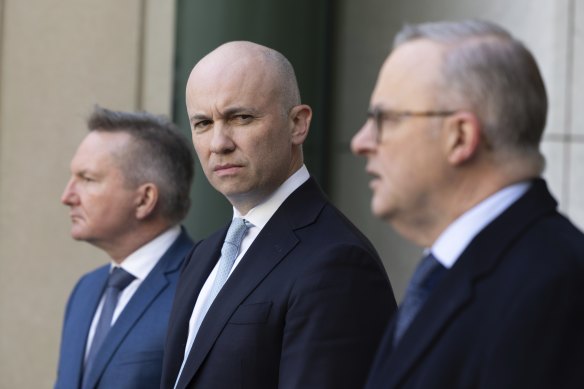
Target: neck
{"points": [[122, 248], [460, 194], [246, 202]]}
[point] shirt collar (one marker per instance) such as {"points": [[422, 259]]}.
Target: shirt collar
{"points": [[142, 261], [261, 213], [458, 235]]}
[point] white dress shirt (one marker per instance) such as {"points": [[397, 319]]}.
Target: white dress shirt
{"points": [[458, 235], [139, 264], [258, 217]]}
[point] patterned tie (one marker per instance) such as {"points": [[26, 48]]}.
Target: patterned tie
{"points": [[229, 252], [426, 276], [117, 281]]}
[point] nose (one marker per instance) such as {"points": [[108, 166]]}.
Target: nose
{"points": [[221, 141], [363, 141], [69, 196]]}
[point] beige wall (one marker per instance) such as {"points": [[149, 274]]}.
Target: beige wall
{"points": [[551, 29], [57, 59]]}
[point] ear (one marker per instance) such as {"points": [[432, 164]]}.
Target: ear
{"points": [[300, 117], [463, 137], [147, 198]]}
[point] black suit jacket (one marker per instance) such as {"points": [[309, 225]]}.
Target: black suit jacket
{"points": [[305, 307], [508, 314]]}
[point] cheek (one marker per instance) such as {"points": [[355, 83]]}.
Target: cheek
{"points": [[198, 145], [202, 155]]}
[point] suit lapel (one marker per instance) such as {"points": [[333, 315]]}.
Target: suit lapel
{"points": [[84, 312], [455, 290], [450, 296], [198, 266], [148, 291], [276, 240]]}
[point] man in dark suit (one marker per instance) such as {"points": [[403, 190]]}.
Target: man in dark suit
{"points": [[128, 192], [306, 298], [452, 146]]}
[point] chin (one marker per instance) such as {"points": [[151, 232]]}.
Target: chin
{"points": [[382, 212], [378, 208], [78, 235]]}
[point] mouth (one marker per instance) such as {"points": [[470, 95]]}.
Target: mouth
{"points": [[74, 216], [226, 169], [374, 178]]}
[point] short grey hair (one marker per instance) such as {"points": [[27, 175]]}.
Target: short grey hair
{"points": [[488, 71], [158, 153]]}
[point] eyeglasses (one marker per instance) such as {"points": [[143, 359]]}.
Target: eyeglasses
{"points": [[380, 115]]}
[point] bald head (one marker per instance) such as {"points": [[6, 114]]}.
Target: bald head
{"points": [[249, 63], [247, 123]]}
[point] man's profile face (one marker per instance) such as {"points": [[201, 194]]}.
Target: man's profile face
{"points": [[405, 165], [101, 204]]}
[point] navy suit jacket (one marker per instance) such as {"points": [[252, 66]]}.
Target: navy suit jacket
{"points": [[131, 355], [305, 307], [508, 314]]}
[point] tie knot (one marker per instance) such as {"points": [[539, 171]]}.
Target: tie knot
{"points": [[237, 231], [119, 278], [427, 272], [426, 276]]}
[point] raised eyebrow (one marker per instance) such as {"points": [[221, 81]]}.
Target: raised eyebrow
{"points": [[229, 112], [197, 117], [232, 111]]}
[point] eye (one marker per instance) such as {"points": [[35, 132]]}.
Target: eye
{"points": [[201, 125], [391, 116], [242, 119]]}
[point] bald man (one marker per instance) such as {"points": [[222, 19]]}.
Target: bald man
{"points": [[306, 297]]}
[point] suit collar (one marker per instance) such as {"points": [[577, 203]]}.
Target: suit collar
{"points": [[457, 236], [455, 289], [262, 213], [271, 246], [150, 288], [142, 261]]}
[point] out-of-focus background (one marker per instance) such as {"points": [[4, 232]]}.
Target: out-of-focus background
{"points": [[58, 58]]}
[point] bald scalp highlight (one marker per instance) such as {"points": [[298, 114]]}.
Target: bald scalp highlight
{"points": [[270, 61]]}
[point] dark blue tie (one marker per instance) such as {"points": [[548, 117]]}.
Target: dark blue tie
{"points": [[117, 281], [426, 276]]}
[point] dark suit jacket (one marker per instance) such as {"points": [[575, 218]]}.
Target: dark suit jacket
{"points": [[131, 355], [508, 314], [305, 307]]}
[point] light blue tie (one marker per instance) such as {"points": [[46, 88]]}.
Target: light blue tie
{"points": [[425, 277], [229, 252], [117, 281]]}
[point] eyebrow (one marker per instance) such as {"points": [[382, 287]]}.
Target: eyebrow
{"points": [[198, 116], [227, 113], [83, 173]]}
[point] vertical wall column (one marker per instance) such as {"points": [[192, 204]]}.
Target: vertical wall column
{"points": [[58, 59], [300, 29]]}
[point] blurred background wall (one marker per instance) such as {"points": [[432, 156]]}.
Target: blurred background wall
{"points": [[58, 58]]}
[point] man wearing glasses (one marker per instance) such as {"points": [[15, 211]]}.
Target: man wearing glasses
{"points": [[452, 147]]}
